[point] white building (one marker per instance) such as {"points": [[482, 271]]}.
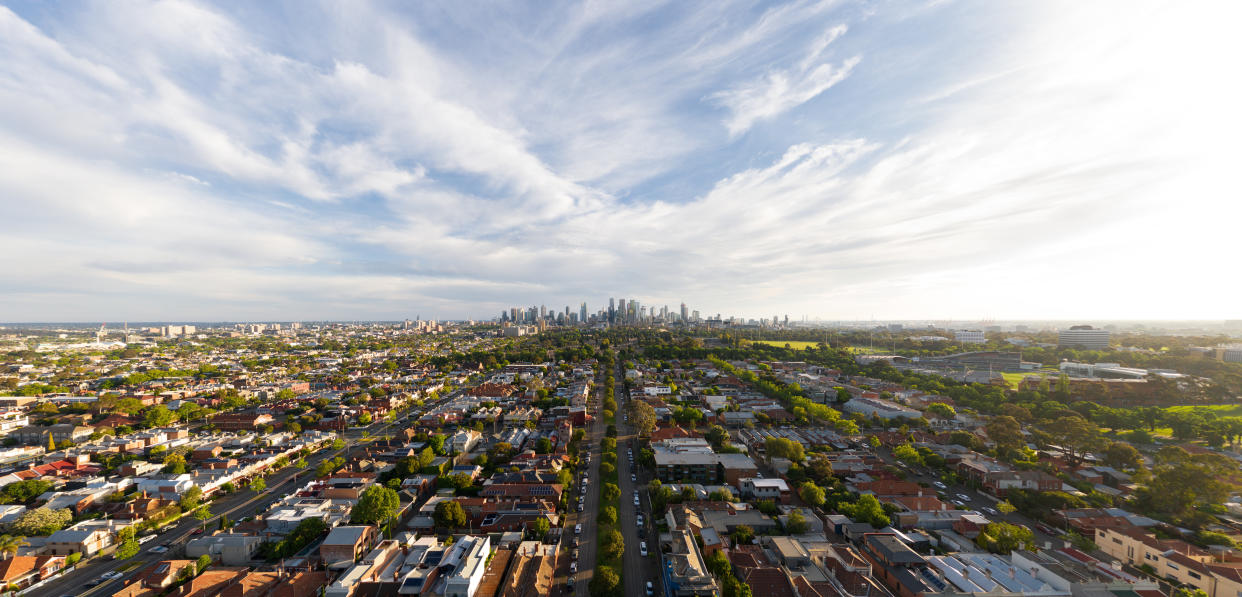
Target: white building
{"points": [[970, 336], [1084, 337]]}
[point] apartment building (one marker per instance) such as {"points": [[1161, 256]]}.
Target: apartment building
{"points": [[1173, 558]]}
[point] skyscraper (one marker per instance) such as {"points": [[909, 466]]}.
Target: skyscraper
{"points": [[685, 315]]}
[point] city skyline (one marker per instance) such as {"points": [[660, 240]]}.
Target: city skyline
{"points": [[185, 161]]}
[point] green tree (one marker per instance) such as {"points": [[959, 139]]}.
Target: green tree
{"points": [[543, 446], [743, 534], [1002, 537], [191, 499], [1122, 455], [610, 492], [541, 526], [811, 494], [608, 515], [72, 559], [867, 509], [613, 545], [942, 410], [605, 583], [908, 454], [1004, 507], [779, 447], [174, 464], [158, 416], [128, 549], [41, 522], [377, 504], [1005, 432], [11, 544], [796, 523], [364, 418], [1076, 436], [203, 514], [203, 562], [450, 515], [258, 485]]}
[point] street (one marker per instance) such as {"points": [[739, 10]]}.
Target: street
{"points": [[638, 570]]}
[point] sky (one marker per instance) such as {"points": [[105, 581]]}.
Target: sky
{"points": [[830, 159]]}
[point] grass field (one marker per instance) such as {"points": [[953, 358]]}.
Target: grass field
{"points": [[794, 344], [1220, 410]]}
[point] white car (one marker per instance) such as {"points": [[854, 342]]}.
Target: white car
{"points": [[573, 567], [642, 549], [650, 589], [110, 575], [577, 529], [636, 502], [157, 549], [633, 478], [963, 497], [640, 520]]}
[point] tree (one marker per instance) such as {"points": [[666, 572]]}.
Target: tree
{"points": [[41, 522], [541, 526], [613, 545], [604, 583], [1182, 482], [174, 464], [158, 416], [608, 515], [258, 485], [811, 494], [376, 505], [203, 514], [867, 509], [203, 562], [191, 499], [1076, 436], [779, 447], [718, 563], [128, 549], [72, 559], [1004, 507], [11, 544], [1122, 455], [743, 534], [1005, 432], [1002, 537], [642, 417], [908, 454], [796, 523], [717, 436], [364, 418], [721, 495], [942, 410], [294, 427], [449, 514], [819, 467], [610, 492], [25, 491], [543, 445]]}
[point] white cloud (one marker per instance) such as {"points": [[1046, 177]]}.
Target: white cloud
{"points": [[781, 90]]}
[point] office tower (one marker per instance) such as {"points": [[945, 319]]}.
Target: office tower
{"points": [[582, 313], [685, 315], [1083, 337]]}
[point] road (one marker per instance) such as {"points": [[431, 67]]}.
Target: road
{"points": [[590, 530], [637, 569], [236, 506]]}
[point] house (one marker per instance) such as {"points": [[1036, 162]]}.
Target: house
{"points": [[37, 435], [23, 571], [776, 490], [465, 440], [155, 579], [1174, 559], [345, 544], [85, 542]]}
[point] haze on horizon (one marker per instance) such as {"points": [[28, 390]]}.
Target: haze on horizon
{"points": [[182, 160]]}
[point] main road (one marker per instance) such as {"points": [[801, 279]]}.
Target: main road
{"points": [[638, 569]]}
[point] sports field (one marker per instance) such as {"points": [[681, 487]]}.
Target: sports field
{"points": [[794, 344]]}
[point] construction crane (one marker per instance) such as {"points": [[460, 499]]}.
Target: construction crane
{"points": [[99, 336]]}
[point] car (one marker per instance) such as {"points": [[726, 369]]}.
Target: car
{"points": [[579, 506], [570, 581], [642, 549], [636, 502], [573, 567], [958, 503], [640, 520], [633, 478], [991, 511], [650, 589], [575, 542], [940, 485], [575, 553], [113, 575], [963, 497], [578, 529], [157, 549], [198, 531]]}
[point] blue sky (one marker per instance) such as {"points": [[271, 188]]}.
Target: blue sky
{"points": [[303, 160]]}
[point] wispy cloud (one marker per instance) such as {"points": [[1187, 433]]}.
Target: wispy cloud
{"points": [[780, 90]]}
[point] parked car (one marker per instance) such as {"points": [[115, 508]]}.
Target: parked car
{"points": [[578, 529], [963, 497], [113, 575], [991, 511], [640, 521], [642, 549], [650, 589], [940, 485]]}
